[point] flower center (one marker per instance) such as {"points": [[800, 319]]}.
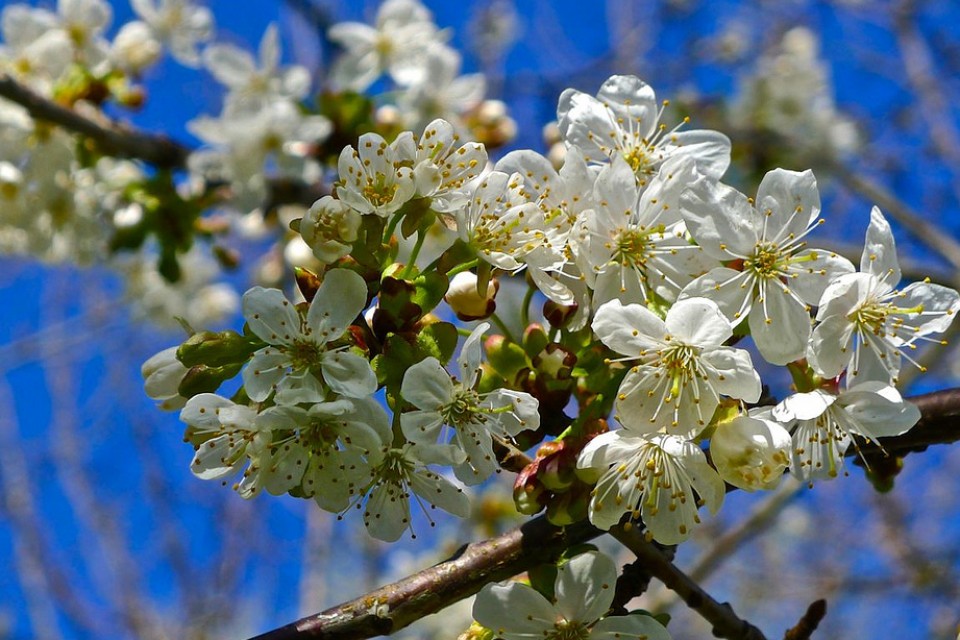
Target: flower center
{"points": [[304, 354], [569, 630], [463, 409], [765, 261], [378, 193]]}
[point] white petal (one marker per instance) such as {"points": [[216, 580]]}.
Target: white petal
{"points": [[784, 338], [427, 385], [340, 299], [630, 329], [440, 492], [348, 374], [632, 626], [387, 512], [731, 290], [471, 354], [803, 406], [585, 587], [792, 200], [265, 369], [271, 316], [201, 411], [880, 250], [497, 607], [720, 219], [736, 376], [699, 322]]}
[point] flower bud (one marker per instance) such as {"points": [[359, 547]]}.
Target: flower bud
{"points": [[162, 375], [466, 301], [750, 453], [559, 315], [330, 228], [216, 349]]}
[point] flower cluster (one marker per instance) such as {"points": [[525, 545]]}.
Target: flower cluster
{"points": [[652, 269]]}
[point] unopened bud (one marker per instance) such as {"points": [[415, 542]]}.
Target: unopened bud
{"points": [[216, 349], [466, 301], [559, 315], [204, 379]]}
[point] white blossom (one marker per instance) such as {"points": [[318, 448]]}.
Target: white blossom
{"points": [[376, 176], [624, 120], [181, 25], [773, 278], [751, 451], [661, 480], [329, 228], [681, 367], [476, 418], [865, 322], [301, 349], [162, 374], [826, 420]]}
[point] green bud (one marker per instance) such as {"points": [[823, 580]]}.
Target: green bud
{"points": [[217, 349], [204, 379]]}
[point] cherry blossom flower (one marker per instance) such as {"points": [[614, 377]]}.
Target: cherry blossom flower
{"points": [[826, 421], [584, 593], [682, 366], [374, 177], [636, 244], [329, 228], [300, 354], [444, 166], [180, 24], [865, 322], [777, 279], [476, 418], [624, 120], [402, 474], [661, 480]]}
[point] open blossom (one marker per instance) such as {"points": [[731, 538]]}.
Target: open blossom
{"points": [[476, 418], [584, 593], [624, 120], [327, 450], [773, 278], [682, 366], [402, 474], [444, 166], [232, 436], [503, 229], [252, 83], [661, 480], [636, 244], [301, 348], [865, 322], [180, 24], [396, 44], [374, 177], [826, 421]]}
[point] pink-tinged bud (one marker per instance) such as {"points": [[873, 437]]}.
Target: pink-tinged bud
{"points": [[535, 339], [466, 301]]}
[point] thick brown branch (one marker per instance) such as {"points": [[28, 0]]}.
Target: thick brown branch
{"points": [[395, 606], [726, 623], [114, 139]]}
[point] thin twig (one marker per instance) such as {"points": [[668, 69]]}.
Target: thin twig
{"points": [[726, 623], [809, 622]]}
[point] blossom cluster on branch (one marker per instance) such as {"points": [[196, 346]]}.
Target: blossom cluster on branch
{"points": [[652, 290]]}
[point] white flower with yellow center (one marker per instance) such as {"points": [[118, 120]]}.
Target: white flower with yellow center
{"points": [[500, 225], [476, 418], [827, 420], [866, 323], [661, 480], [585, 588], [636, 245], [376, 177], [401, 474], [444, 166], [773, 278], [624, 120], [682, 366], [299, 358]]}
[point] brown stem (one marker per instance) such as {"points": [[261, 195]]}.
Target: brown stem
{"points": [[808, 623], [114, 139]]}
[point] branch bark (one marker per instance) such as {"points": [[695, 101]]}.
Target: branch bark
{"points": [[112, 138]]}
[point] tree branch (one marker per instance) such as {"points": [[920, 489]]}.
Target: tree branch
{"points": [[397, 605], [112, 138]]}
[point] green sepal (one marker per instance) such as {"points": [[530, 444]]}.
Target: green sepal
{"points": [[507, 358], [543, 578], [217, 349], [438, 340], [204, 379], [429, 289], [535, 340], [417, 216]]}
